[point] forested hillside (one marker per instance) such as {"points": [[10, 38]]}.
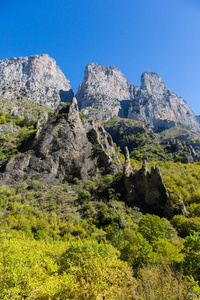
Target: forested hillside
{"points": [[78, 241]]}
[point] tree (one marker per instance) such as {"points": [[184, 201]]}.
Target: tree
{"points": [[152, 227], [191, 251]]}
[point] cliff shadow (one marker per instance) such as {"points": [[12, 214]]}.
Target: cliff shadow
{"points": [[66, 96]]}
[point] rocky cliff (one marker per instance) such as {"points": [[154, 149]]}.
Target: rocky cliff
{"points": [[62, 149], [105, 92], [36, 77], [156, 105], [147, 191]]}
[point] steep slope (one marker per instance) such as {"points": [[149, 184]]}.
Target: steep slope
{"points": [[18, 120], [64, 148], [156, 105], [105, 92], [36, 77], [175, 144]]}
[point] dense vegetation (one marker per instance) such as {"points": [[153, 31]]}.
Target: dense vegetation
{"points": [[75, 241], [80, 241]]}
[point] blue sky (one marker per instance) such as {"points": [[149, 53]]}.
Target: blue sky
{"points": [[162, 36]]}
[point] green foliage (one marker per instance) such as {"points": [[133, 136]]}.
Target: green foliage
{"points": [[152, 228], [35, 270], [62, 241], [3, 120], [164, 282], [139, 252], [82, 117], [185, 226], [62, 117], [15, 129], [80, 241], [191, 251], [85, 195], [36, 185], [97, 271], [25, 134]]}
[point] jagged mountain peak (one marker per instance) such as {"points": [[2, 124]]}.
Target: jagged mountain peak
{"points": [[36, 77], [96, 66], [100, 76], [102, 90], [153, 83], [105, 92]]}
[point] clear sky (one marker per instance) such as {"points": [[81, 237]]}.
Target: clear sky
{"points": [[162, 36]]}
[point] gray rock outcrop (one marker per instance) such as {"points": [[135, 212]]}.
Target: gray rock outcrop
{"points": [[36, 77], [64, 148], [68, 147], [147, 191], [181, 150]]}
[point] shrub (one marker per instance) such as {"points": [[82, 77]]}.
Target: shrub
{"points": [[36, 185]]}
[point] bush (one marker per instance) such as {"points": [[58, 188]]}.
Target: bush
{"points": [[85, 195], [36, 185]]}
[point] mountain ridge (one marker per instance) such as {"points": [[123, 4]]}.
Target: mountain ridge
{"points": [[105, 92]]}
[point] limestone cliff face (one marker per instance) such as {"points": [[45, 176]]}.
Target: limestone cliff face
{"points": [[105, 92], [103, 89], [64, 148], [156, 105], [36, 77]]}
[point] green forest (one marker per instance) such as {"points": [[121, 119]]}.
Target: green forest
{"points": [[78, 241]]}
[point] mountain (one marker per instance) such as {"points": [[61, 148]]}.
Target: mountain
{"points": [[63, 148], [68, 147], [104, 89], [78, 218], [156, 105], [105, 92], [36, 77]]}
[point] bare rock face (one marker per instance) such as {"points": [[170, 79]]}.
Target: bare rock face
{"points": [[156, 105], [36, 77], [105, 92], [147, 191], [102, 90], [64, 148]]}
